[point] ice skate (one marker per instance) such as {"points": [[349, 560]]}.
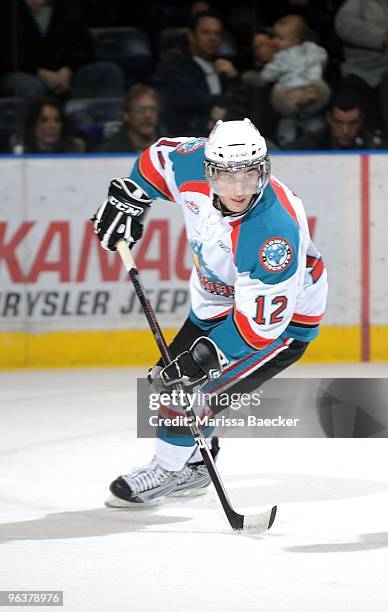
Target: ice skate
{"points": [[194, 478], [150, 484]]}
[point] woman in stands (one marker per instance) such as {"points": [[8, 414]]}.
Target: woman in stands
{"points": [[46, 130]]}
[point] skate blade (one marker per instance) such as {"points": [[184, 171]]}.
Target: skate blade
{"points": [[190, 493], [123, 504]]}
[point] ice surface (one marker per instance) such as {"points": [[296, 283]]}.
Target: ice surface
{"points": [[66, 434]]}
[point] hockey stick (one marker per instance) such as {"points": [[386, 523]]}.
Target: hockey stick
{"points": [[259, 522]]}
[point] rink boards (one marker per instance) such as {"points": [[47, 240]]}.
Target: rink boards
{"points": [[64, 301]]}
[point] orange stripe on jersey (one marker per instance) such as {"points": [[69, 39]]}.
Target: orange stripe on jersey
{"points": [[161, 159], [201, 186], [222, 314], [236, 225], [249, 336], [317, 266], [281, 194], [168, 143], [150, 173], [311, 261], [307, 319]]}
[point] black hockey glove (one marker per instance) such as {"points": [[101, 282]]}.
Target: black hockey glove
{"points": [[202, 362], [121, 216]]}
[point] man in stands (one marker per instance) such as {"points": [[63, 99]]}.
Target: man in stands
{"points": [[139, 127], [192, 81]]}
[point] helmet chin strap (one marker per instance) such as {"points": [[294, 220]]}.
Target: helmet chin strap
{"points": [[217, 203]]}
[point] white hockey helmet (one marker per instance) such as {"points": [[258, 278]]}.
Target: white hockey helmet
{"points": [[234, 146]]}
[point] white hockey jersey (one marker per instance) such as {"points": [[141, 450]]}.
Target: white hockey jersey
{"points": [[257, 278]]}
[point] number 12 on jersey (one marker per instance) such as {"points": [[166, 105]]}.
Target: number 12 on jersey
{"points": [[279, 301]]}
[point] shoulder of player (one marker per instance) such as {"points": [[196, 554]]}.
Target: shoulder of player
{"points": [[275, 214], [174, 165], [284, 203], [189, 148], [183, 154], [188, 164], [268, 242]]}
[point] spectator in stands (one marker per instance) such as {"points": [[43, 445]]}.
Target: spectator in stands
{"points": [[345, 120], [261, 111], [45, 47], [199, 6], [232, 110], [192, 81], [170, 14], [46, 130], [264, 48], [296, 69], [345, 128], [362, 26], [140, 119], [318, 13]]}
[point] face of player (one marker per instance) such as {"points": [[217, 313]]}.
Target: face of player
{"points": [[48, 127], [345, 125], [206, 38], [285, 37], [235, 189], [143, 116]]}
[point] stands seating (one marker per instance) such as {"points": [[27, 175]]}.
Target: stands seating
{"points": [[95, 110], [228, 47], [128, 47], [91, 116], [173, 38], [11, 119]]}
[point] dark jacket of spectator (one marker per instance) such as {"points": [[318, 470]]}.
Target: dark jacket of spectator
{"points": [[118, 142], [24, 48], [362, 25], [185, 93]]}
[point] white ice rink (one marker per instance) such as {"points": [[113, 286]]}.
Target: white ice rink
{"points": [[66, 434]]}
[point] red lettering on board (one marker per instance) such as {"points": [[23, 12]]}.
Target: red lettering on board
{"points": [[159, 230], [110, 263], [57, 230], [7, 250]]}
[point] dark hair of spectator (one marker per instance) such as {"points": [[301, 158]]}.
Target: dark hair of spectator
{"points": [[235, 112], [264, 30], [345, 101], [135, 92], [32, 117], [194, 21]]}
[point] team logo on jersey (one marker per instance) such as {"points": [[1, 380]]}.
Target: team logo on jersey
{"points": [[190, 146], [276, 254], [208, 279], [192, 206]]}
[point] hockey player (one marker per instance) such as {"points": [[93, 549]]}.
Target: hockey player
{"points": [[258, 286]]}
